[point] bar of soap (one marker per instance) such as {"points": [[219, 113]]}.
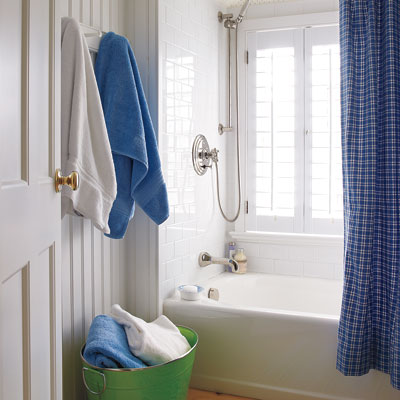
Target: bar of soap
{"points": [[190, 289], [190, 292]]}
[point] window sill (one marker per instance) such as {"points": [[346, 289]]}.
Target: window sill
{"points": [[287, 238]]}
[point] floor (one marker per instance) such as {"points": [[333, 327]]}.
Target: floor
{"points": [[195, 394]]}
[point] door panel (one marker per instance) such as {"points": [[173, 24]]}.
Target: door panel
{"points": [[12, 335], [10, 78], [30, 229]]}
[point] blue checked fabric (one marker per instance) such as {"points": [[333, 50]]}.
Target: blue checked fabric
{"points": [[369, 328]]}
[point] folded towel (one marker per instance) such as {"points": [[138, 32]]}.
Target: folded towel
{"points": [[132, 136], [107, 345], [155, 342], [85, 146]]}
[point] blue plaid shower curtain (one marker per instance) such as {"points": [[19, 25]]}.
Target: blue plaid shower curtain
{"points": [[369, 328]]}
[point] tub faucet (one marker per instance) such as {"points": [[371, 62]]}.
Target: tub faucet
{"points": [[206, 259]]}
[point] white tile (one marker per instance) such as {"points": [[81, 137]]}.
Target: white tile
{"points": [[173, 18], [167, 33], [319, 270], [183, 7], [257, 264], [189, 229], [167, 252], [162, 234], [167, 288], [161, 13], [188, 27], [331, 254], [274, 251], [288, 267], [182, 248], [174, 232], [301, 253], [174, 268], [180, 280], [189, 105], [162, 272], [250, 249], [339, 273]]}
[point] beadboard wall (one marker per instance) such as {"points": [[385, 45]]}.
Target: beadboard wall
{"points": [[93, 266]]}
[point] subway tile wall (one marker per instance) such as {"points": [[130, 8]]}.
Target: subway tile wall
{"points": [[192, 57], [312, 261], [189, 84]]}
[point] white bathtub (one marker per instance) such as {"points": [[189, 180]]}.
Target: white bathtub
{"points": [[272, 337]]}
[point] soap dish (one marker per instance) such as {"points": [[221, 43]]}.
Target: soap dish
{"points": [[190, 292]]}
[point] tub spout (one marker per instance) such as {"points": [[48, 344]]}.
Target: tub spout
{"points": [[206, 259]]}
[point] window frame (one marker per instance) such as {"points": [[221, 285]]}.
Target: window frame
{"points": [[247, 27]]}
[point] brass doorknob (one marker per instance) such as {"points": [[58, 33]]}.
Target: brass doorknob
{"points": [[72, 180]]}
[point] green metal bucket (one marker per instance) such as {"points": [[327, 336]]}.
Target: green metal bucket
{"points": [[168, 381]]}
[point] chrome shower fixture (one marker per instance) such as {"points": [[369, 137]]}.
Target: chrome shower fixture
{"points": [[202, 156], [230, 24], [228, 18]]}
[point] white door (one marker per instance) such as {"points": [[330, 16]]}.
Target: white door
{"points": [[30, 301]]}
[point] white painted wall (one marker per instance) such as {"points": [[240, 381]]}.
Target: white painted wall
{"points": [[93, 266], [189, 84]]}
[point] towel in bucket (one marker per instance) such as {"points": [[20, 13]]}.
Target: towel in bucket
{"points": [[107, 345], [156, 342]]}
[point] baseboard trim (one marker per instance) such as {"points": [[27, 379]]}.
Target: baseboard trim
{"points": [[255, 390]]}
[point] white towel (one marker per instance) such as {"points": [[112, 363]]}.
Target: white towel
{"points": [[85, 147], [154, 343]]}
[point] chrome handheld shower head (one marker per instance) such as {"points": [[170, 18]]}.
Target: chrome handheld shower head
{"points": [[243, 12]]}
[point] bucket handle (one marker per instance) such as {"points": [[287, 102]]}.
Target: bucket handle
{"points": [[84, 369]]}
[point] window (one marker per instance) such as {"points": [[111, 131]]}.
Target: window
{"points": [[293, 131]]}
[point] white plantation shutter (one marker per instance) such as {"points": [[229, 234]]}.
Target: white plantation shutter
{"points": [[294, 178], [324, 198], [273, 129]]}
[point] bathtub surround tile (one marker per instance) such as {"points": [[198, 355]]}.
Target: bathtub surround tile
{"points": [[190, 63], [339, 271], [174, 232], [319, 270], [258, 264], [167, 288], [288, 268], [174, 268], [167, 252], [273, 251], [251, 249], [301, 253], [319, 261], [182, 248], [331, 253]]}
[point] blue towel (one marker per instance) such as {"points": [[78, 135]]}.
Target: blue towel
{"points": [[132, 137], [107, 345]]}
